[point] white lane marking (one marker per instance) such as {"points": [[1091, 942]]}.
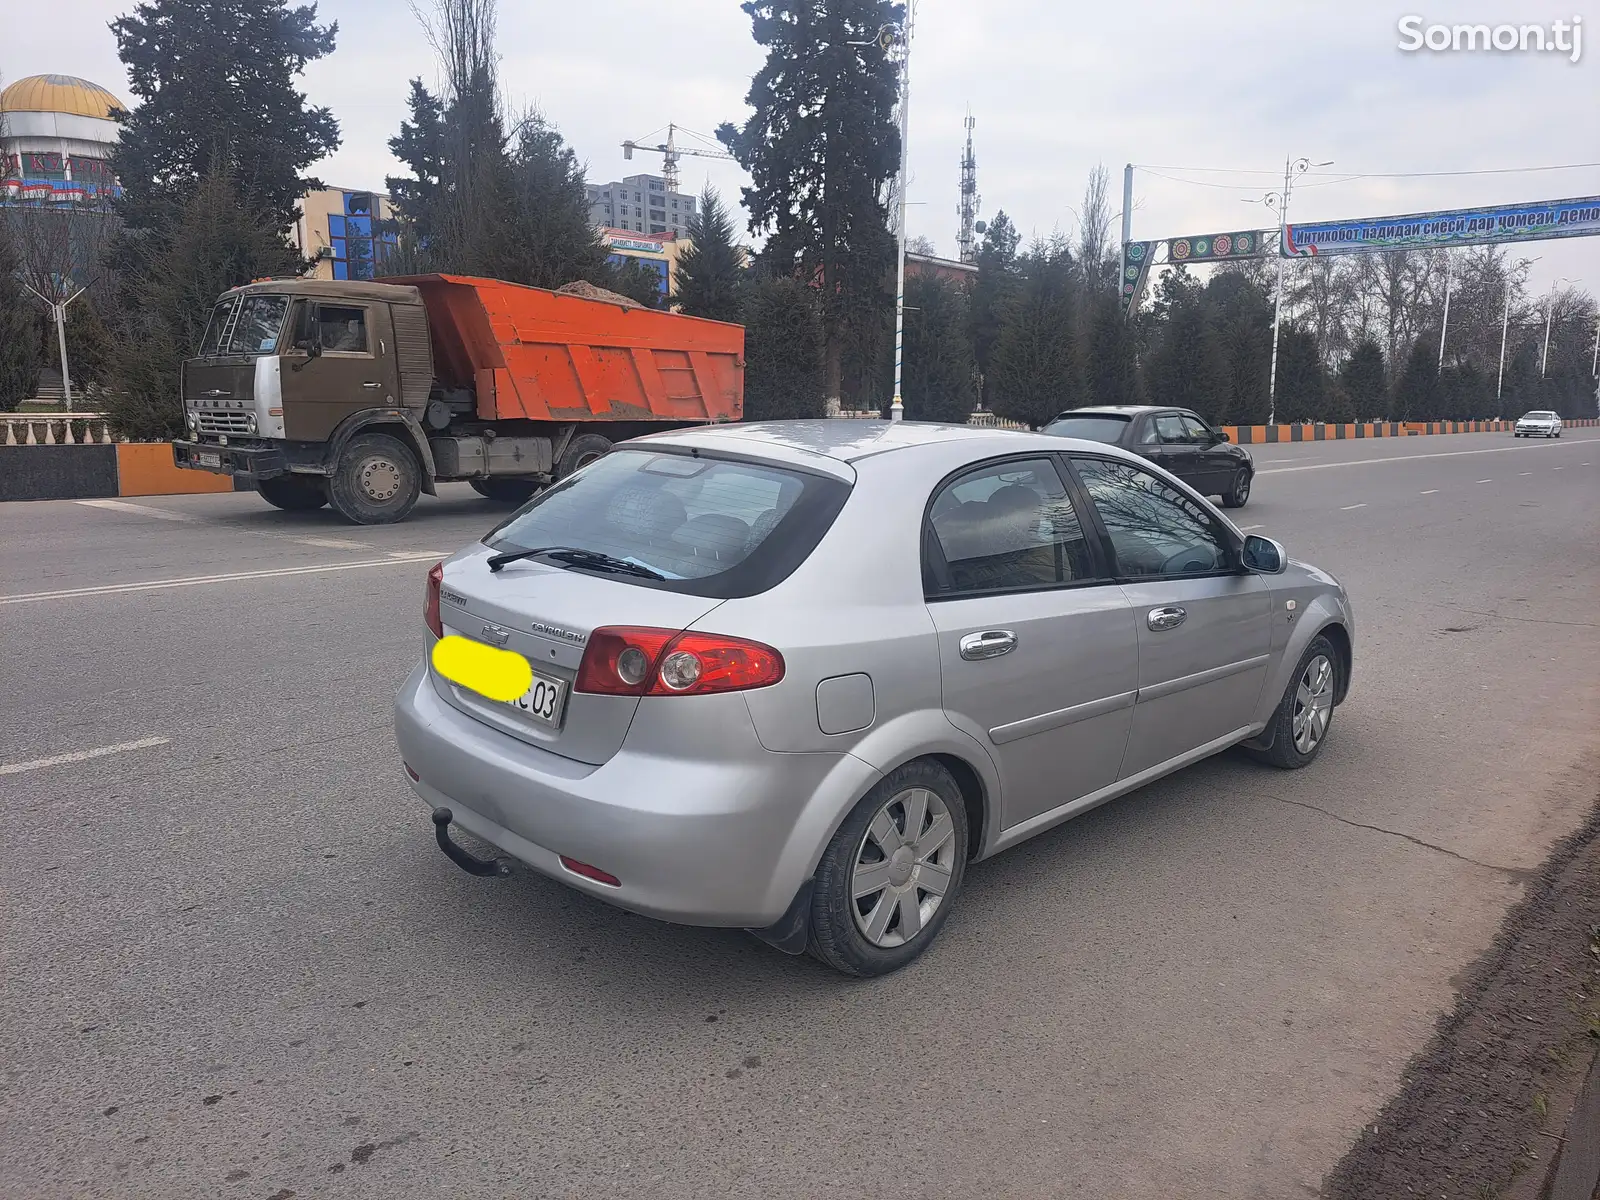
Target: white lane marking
{"points": [[331, 543], [1524, 472], [1431, 492], [138, 510], [413, 555], [1485, 481], [1248, 528], [145, 510], [117, 589], [1351, 507], [1367, 462], [81, 755], [1555, 468]]}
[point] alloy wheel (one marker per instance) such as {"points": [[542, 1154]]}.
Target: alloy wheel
{"points": [[903, 867], [1313, 704]]}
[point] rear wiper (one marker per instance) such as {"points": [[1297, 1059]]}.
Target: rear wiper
{"points": [[576, 557]]}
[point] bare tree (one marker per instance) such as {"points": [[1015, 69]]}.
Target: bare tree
{"points": [[1094, 231]]}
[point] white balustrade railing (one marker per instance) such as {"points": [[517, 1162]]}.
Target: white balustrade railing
{"points": [[54, 429]]}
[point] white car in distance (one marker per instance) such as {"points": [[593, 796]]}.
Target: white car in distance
{"points": [[1538, 424]]}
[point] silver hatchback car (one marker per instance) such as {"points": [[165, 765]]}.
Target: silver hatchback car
{"points": [[795, 677]]}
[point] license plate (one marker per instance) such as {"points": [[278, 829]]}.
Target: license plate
{"points": [[543, 701], [210, 460]]}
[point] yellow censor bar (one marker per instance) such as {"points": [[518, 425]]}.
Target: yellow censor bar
{"points": [[501, 675]]}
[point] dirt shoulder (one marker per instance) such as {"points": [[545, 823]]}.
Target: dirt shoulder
{"points": [[1482, 1108]]}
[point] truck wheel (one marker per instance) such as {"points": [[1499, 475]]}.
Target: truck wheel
{"points": [[582, 451], [506, 491], [294, 493], [377, 480]]}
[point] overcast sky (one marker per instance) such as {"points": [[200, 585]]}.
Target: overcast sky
{"points": [[1055, 89]]}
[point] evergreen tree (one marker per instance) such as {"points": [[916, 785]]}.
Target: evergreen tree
{"points": [[1035, 367], [710, 270], [216, 86], [550, 239], [992, 291], [1113, 375], [1416, 391], [939, 374], [1188, 366], [1365, 382], [1242, 321], [783, 347], [21, 331], [1302, 378], [821, 147]]}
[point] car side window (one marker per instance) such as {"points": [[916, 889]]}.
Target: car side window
{"points": [[344, 329], [1156, 530], [1147, 434], [1169, 428], [1195, 430], [1004, 526]]}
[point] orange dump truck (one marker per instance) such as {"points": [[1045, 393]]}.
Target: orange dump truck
{"points": [[364, 395]]}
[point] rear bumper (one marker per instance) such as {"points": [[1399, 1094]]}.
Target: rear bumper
{"points": [[254, 462], [720, 833]]}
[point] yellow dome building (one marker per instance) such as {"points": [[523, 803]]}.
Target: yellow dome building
{"points": [[56, 137]]}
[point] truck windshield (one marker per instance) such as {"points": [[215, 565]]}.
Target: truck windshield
{"points": [[248, 326], [211, 342], [705, 527]]}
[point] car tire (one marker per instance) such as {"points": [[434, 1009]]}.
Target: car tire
{"points": [[294, 493], [582, 451], [506, 491], [873, 942], [377, 480], [1238, 493], [1289, 749]]}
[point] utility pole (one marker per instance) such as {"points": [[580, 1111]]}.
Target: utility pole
{"points": [[1444, 324], [1292, 170], [1127, 203], [1505, 325], [889, 37], [59, 313]]}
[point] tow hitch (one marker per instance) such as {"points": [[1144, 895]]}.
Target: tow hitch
{"points": [[469, 863]]}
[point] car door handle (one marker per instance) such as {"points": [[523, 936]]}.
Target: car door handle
{"points": [[369, 384], [1166, 618], [991, 643]]}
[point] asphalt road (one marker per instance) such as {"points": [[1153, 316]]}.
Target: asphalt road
{"points": [[235, 964]]}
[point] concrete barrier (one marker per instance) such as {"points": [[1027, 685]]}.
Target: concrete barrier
{"points": [[1320, 432], [58, 472]]}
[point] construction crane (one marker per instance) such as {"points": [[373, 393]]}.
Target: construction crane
{"points": [[671, 152]]}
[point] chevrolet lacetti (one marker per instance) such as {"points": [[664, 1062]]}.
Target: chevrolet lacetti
{"points": [[795, 677]]}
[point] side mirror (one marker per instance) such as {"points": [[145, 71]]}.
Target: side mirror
{"points": [[1222, 435], [1264, 556]]}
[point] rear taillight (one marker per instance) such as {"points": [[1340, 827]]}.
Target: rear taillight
{"points": [[430, 608], [629, 661]]}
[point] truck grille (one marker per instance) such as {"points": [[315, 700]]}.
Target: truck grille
{"points": [[224, 422]]}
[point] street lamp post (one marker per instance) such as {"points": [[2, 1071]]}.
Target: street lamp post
{"points": [[58, 312], [1444, 323], [1292, 170]]}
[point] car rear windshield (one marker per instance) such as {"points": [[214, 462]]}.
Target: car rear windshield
{"points": [[1099, 427], [1538, 416], [721, 527]]}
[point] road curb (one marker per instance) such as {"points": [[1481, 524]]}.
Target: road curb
{"points": [[1575, 1174], [1322, 432]]}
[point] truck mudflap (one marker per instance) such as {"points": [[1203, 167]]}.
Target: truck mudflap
{"points": [[252, 462]]}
